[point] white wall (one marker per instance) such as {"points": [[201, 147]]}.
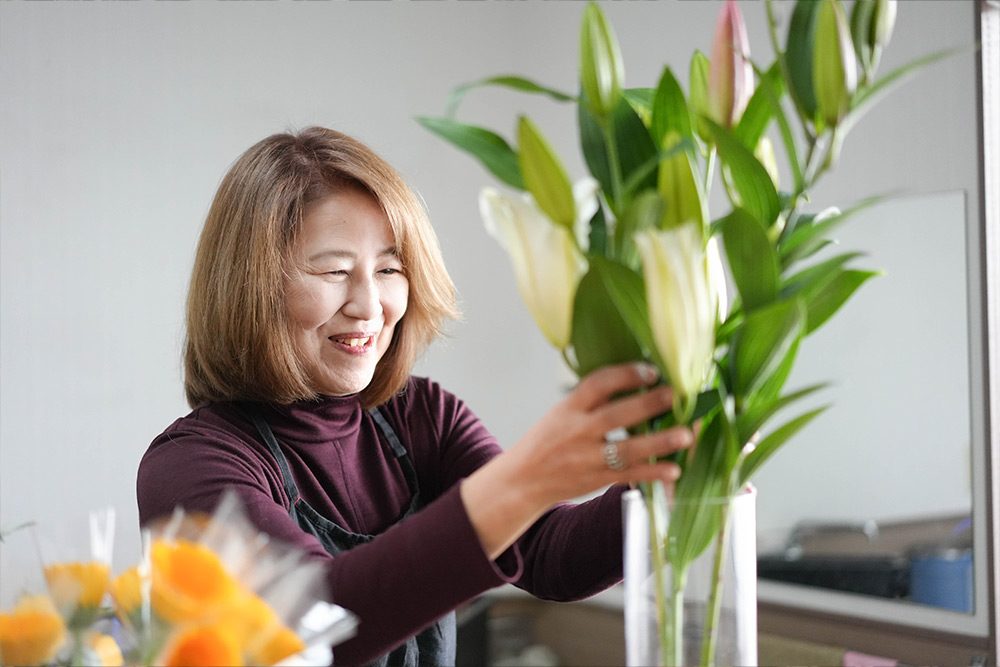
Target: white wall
{"points": [[119, 118]]}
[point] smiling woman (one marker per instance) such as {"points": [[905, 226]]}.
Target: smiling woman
{"points": [[317, 282], [238, 343], [346, 291]]}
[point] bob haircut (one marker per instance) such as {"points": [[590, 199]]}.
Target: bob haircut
{"points": [[239, 344]]}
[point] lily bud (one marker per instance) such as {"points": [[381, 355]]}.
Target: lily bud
{"points": [[680, 187], [544, 175], [601, 69], [683, 307], [547, 260], [698, 98], [730, 77], [872, 22], [835, 66]]}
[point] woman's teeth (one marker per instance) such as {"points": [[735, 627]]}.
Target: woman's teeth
{"points": [[354, 342]]}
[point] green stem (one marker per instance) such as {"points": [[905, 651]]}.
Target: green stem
{"points": [[656, 543], [709, 171], [677, 618], [710, 636], [614, 165]]}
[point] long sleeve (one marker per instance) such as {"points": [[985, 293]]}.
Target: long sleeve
{"points": [[412, 572]]}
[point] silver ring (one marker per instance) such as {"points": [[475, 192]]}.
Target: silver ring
{"points": [[612, 458]]}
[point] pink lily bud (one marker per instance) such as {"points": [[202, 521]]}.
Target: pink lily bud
{"points": [[730, 74]]}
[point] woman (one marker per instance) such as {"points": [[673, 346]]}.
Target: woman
{"points": [[317, 282]]}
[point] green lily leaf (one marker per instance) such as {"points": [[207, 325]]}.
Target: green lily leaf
{"points": [[600, 334], [759, 348], [670, 110], [799, 55], [753, 419], [489, 148], [518, 83], [769, 445], [696, 513], [834, 294], [868, 96], [752, 259], [635, 148], [754, 184], [598, 237], [770, 390], [641, 100], [645, 210], [545, 175], [809, 281], [627, 292], [773, 91], [806, 235], [760, 109]]}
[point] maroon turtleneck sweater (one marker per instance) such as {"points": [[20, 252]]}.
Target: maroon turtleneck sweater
{"points": [[414, 572]]}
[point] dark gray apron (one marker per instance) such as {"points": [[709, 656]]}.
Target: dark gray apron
{"points": [[434, 646]]}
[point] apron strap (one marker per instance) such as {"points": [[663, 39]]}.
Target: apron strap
{"points": [[272, 443], [397, 447]]}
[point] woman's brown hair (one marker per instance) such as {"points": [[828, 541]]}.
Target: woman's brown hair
{"points": [[238, 344]]}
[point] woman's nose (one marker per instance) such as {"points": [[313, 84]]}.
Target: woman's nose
{"points": [[363, 301]]}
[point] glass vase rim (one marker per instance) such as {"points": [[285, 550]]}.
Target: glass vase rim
{"points": [[747, 494]]}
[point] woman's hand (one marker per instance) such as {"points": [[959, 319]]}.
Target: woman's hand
{"points": [[562, 456]]}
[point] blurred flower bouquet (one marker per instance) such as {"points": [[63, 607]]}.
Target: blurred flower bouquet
{"points": [[627, 263], [209, 590]]}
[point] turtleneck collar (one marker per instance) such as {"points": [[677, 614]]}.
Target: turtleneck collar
{"points": [[320, 420]]}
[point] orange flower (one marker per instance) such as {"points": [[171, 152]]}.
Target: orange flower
{"points": [[203, 646], [190, 582], [78, 584], [280, 644], [106, 649], [32, 633], [264, 637]]}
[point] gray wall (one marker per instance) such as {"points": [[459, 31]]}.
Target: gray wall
{"points": [[119, 118]]}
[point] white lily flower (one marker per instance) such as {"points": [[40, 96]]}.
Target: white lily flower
{"points": [[548, 262], [682, 293]]}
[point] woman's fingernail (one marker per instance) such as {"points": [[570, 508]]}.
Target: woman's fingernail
{"points": [[647, 372]]}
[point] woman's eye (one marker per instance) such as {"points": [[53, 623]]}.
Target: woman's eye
{"points": [[389, 272]]}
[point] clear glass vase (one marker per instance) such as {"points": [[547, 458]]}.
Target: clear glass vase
{"points": [[706, 614]]}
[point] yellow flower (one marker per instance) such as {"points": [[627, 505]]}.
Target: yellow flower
{"points": [[32, 633], [126, 592], [189, 581], [106, 649], [77, 589], [203, 646]]}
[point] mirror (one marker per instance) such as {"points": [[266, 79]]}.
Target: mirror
{"points": [[876, 496]]}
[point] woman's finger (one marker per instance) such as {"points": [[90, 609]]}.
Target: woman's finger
{"points": [[634, 409], [598, 387], [625, 454]]}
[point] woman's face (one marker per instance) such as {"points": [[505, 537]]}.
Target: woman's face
{"points": [[346, 291]]}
